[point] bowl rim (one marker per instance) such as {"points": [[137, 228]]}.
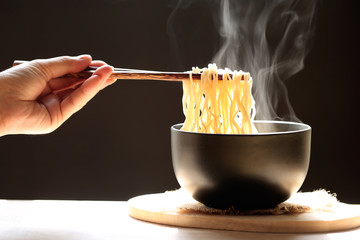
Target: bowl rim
{"points": [[176, 128]]}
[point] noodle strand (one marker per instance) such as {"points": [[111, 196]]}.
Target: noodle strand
{"points": [[214, 106]]}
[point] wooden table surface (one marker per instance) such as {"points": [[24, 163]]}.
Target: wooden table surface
{"points": [[92, 220]]}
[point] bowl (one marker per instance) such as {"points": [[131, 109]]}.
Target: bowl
{"points": [[242, 171]]}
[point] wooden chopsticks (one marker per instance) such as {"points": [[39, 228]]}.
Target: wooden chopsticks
{"points": [[142, 74], [126, 73]]}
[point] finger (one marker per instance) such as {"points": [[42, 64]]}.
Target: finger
{"points": [[65, 93], [76, 100], [63, 89], [59, 66], [52, 105], [59, 83], [97, 63], [110, 81]]}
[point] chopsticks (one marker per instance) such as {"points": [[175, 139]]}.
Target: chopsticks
{"points": [[135, 74], [143, 75], [127, 73]]}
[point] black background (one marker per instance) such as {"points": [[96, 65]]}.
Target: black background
{"points": [[118, 146]]}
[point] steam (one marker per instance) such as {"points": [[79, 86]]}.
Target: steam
{"points": [[269, 39]]}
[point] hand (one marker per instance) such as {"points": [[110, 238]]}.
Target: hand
{"points": [[30, 100]]}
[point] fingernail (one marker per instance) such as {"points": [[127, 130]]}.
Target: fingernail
{"points": [[84, 56], [107, 65]]}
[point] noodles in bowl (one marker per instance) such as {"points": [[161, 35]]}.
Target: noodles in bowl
{"points": [[219, 160]]}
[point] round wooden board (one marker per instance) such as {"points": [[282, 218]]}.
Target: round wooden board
{"points": [[161, 208]]}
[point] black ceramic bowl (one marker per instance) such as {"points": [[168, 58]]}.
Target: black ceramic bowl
{"points": [[248, 171]]}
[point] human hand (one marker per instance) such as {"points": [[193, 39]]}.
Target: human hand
{"points": [[30, 100]]}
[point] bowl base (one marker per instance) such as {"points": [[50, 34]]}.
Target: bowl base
{"points": [[242, 194]]}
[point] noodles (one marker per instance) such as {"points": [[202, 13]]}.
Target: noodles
{"points": [[219, 106]]}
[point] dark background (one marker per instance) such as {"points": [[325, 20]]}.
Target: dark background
{"points": [[118, 146]]}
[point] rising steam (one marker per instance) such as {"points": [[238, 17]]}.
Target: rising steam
{"points": [[269, 39]]}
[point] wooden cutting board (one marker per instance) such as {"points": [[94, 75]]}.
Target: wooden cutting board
{"points": [[168, 208]]}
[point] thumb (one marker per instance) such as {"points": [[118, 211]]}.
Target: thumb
{"points": [[59, 66], [77, 99]]}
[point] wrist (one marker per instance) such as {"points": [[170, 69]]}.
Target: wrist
{"points": [[2, 131], [2, 120]]}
